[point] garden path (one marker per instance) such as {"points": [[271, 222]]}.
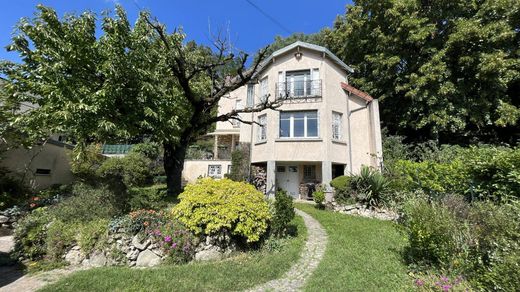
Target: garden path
{"points": [[295, 278], [12, 277]]}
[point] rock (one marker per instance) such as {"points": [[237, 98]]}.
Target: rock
{"points": [[4, 219], [74, 257], [97, 259], [147, 259], [209, 254], [158, 252], [132, 255], [76, 247], [136, 241]]}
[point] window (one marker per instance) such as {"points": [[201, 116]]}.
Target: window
{"points": [[298, 83], [262, 128], [250, 95], [337, 119], [238, 106], [229, 168], [43, 171], [309, 172], [293, 169], [264, 90], [215, 171], [299, 124], [280, 168]]}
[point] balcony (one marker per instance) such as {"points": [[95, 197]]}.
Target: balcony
{"points": [[300, 89]]}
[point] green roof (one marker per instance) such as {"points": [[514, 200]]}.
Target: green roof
{"points": [[116, 148]]}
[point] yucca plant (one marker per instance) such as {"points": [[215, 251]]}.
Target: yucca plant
{"points": [[369, 186]]}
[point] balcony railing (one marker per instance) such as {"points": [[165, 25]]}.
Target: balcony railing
{"points": [[298, 89]]}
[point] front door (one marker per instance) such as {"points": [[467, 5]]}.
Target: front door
{"points": [[287, 179]]}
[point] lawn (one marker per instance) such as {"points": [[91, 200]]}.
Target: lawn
{"points": [[240, 272], [362, 255]]}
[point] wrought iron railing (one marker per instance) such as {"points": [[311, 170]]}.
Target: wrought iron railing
{"points": [[298, 89]]}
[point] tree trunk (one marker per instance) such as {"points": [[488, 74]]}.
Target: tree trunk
{"points": [[173, 165]]}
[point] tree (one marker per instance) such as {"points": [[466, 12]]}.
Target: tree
{"points": [[132, 81], [445, 70]]}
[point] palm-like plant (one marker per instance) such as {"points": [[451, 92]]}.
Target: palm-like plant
{"points": [[369, 186]]}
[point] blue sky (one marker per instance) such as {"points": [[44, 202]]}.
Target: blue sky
{"points": [[249, 29]]}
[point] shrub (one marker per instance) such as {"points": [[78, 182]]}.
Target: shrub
{"points": [[431, 231], [153, 197], [92, 235], [85, 161], [494, 172], [208, 206], [174, 239], [148, 150], [319, 197], [60, 237], [141, 220], [30, 235], [369, 186], [342, 191], [132, 170], [240, 164], [282, 214], [480, 241], [88, 203]]}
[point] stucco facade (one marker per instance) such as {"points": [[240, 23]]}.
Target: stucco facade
{"points": [[41, 166], [320, 128]]}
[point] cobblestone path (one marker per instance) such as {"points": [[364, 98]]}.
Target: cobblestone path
{"points": [[312, 253]]}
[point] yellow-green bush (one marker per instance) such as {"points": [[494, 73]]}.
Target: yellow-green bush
{"points": [[208, 206]]}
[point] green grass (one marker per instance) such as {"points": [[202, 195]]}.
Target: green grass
{"points": [[362, 255], [240, 272]]}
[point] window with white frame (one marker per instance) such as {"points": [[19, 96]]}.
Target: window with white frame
{"points": [[262, 127], [215, 170], [337, 119], [250, 95], [300, 124], [264, 89]]}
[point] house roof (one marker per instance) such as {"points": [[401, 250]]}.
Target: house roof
{"points": [[357, 92], [300, 44]]}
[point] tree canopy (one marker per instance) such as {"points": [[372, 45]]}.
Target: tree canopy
{"points": [[131, 81], [447, 70]]}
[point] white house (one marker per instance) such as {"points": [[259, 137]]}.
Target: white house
{"points": [[325, 127]]}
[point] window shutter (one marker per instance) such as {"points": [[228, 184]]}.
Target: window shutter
{"points": [[315, 81], [281, 85]]}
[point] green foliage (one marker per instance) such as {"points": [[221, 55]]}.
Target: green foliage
{"points": [[494, 172], [175, 240], [12, 191], [92, 235], [85, 160], [482, 172], [433, 178], [282, 213], [431, 231], [153, 197], [480, 241], [369, 186], [319, 197], [208, 206], [133, 170], [342, 191], [240, 164], [148, 150], [421, 59], [88, 203], [30, 235], [60, 237]]}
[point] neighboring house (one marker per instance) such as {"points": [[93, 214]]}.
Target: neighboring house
{"points": [[325, 127], [42, 166]]}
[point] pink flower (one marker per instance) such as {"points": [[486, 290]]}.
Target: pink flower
{"points": [[446, 287], [419, 282], [168, 239], [174, 245]]}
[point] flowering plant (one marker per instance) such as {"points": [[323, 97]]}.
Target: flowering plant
{"points": [[175, 240], [433, 282]]}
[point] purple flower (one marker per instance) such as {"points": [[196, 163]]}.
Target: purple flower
{"points": [[446, 287], [444, 279], [167, 239], [174, 245], [419, 282], [157, 232]]}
